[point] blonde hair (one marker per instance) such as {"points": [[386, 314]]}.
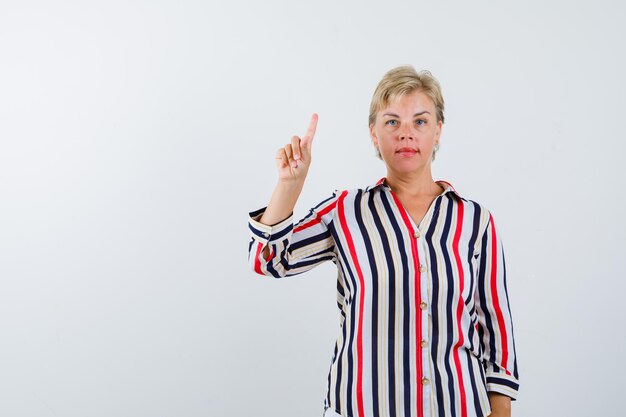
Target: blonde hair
{"points": [[401, 81], [404, 80]]}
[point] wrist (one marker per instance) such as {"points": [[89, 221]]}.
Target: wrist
{"points": [[289, 185], [500, 402]]}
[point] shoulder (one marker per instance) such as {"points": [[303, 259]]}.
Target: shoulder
{"points": [[341, 199], [360, 195], [461, 199], [351, 193], [474, 205], [473, 211]]}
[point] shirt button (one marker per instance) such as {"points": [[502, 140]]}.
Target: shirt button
{"points": [[422, 268], [423, 305], [425, 381], [416, 234], [424, 343], [266, 234]]}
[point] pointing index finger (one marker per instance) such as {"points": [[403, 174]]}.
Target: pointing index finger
{"points": [[310, 133]]}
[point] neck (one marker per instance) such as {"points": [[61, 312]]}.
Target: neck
{"points": [[414, 184]]}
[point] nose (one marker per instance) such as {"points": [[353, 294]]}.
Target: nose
{"points": [[406, 133]]}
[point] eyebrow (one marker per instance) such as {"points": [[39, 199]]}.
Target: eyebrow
{"points": [[416, 114]]}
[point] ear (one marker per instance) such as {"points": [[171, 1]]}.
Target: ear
{"points": [[438, 132], [373, 136]]}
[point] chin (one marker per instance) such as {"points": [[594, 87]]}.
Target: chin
{"points": [[405, 166]]}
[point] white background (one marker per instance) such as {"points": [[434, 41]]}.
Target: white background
{"points": [[137, 135]]}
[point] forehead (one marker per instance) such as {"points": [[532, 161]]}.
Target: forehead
{"points": [[413, 102]]}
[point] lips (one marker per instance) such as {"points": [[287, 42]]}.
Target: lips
{"points": [[407, 151]]}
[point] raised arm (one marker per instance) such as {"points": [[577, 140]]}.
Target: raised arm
{"points": [[279, 248], [293, 162]]}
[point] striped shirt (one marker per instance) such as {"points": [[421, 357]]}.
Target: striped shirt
{"points": [[426, 328]]}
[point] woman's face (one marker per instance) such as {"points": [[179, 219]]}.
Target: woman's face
{"points": [[406, 132]]}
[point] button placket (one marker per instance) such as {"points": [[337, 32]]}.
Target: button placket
{"points": [[424, 343]]}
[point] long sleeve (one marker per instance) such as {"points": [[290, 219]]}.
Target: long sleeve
{"points": [[294, 249], [494, 316]]}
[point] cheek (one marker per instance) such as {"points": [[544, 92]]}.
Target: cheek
{"points": [[383, 143]]}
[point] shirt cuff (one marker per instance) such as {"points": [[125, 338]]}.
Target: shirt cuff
{"points": [[265, 233], [503, 384]]}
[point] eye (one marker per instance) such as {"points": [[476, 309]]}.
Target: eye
{"points": [[420, 120], [391, 122]]}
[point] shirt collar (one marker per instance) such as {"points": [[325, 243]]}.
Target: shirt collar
{"points": [[382, 184]]}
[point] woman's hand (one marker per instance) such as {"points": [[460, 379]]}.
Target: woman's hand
{"points": [[294, 159], [293, 163]]}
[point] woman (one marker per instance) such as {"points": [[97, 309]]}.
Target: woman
{"points": [[426, 327]]}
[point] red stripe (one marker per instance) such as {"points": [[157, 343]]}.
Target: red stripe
{"points": [[459, 308], [318, 217], [257, 259], [494, 294], [359, 334], [418, 300], [313, 222]]}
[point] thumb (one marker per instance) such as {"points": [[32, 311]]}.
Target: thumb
{"points": [[281, 159]]}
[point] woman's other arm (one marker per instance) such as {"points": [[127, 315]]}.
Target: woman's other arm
{"points": [[496, 323]]}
